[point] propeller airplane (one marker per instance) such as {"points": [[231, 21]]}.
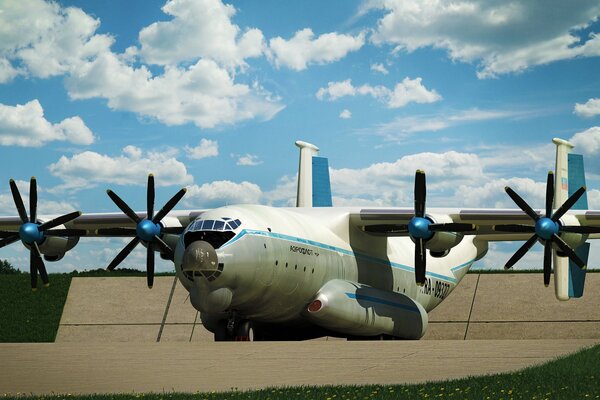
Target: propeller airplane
{"points": [[256, 272]]}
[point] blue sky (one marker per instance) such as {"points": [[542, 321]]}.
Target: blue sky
{"points": [[212, 96]]}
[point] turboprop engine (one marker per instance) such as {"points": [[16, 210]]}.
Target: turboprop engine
{"points": [[362, 310]]}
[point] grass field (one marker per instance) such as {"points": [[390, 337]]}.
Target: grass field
{"points": [[31, 316], [572, 377], [28, 316]]}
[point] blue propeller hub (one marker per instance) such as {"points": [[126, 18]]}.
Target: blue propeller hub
{"points": [[146, 230], [545, 228], [29, 233], [418, 228]]}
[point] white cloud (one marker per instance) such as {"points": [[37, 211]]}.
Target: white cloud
{"points": [[43, 39], [379, 68], [588, 141], [87, 169], [25, 125], [249, 160], [303, 49], [500, 37], [203, 93], [401, 127], [221, 193], [46, 39], [206, 148], [492, 193], [199, 29], [345, 114], [391, 183], [407, 91], [588, 109]]}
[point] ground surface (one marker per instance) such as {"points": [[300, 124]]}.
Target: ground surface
{"points": [[115, 335], [156, 367], [486, 306]]}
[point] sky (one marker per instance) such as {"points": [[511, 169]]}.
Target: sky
{"points": [[211, 95]]}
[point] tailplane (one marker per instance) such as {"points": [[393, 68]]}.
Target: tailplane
{"points": [[314, 187]]}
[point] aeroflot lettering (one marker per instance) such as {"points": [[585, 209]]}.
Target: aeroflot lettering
{"points": [[301, 250]]}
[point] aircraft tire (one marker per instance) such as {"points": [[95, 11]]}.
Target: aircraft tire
{"points": [[246, 332]]}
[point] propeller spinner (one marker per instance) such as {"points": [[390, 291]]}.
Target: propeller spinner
{"points": [[147, 230], [421, 229], [547, 228], [33, 233]]}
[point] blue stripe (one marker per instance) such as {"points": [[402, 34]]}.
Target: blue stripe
{"points": [[365, 257], [382, 301]]}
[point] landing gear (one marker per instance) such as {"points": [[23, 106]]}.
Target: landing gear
{"points": [[234, 329], [245, 332]]}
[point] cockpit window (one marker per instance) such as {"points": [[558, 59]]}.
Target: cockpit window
{"points": [[224, 224], [216, 232]]}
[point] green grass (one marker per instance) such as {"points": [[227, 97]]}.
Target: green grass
{"points": [[571, 377], [28, 316], [31, 316]]}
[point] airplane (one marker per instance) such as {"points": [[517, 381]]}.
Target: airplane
{"points": [[257, 272]]}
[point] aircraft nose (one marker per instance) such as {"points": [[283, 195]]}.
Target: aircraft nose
{"points": [[200, 259]]}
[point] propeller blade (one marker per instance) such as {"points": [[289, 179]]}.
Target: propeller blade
{"points": [[568, 204], [63, 219], [126, 232], [5, 234], [9, 240], [32, 199], [123, 206], [65, 232], [522, 204], [549, 193], [123, 254], [547, 262], [580, 229], [36, 258], [452, 227], [420, 261], [150, 197], [165, 248], [420, 193], [521, 252], [514, 228], [176, 230], [18, 201], [150, 266], [568, 251], [169, 206], [32, 271]]}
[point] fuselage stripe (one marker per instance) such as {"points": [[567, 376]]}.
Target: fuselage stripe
{"points": [[343, 251]]}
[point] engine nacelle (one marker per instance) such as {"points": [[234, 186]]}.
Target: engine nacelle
{"points": [[441, 242], [54, 247], [574, 240], [355, 309]]}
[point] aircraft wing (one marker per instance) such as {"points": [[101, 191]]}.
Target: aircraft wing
{"points": [[94, 221], [387, 221]]}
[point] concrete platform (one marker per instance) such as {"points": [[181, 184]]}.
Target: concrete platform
{"points": [[45, 368], [485, 306]]}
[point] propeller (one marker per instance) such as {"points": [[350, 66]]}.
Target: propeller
{"points": [[33, 233], [421, 229], [147, 230], [547, 228]]}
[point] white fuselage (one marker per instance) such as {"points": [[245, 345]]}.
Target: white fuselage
{"points": [[279, 258]]}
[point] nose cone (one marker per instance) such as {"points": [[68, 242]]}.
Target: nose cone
{"points": [[200, 258]]}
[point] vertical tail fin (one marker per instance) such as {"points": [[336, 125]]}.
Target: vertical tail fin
{"points": [[569, 280], [314, 188]]}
